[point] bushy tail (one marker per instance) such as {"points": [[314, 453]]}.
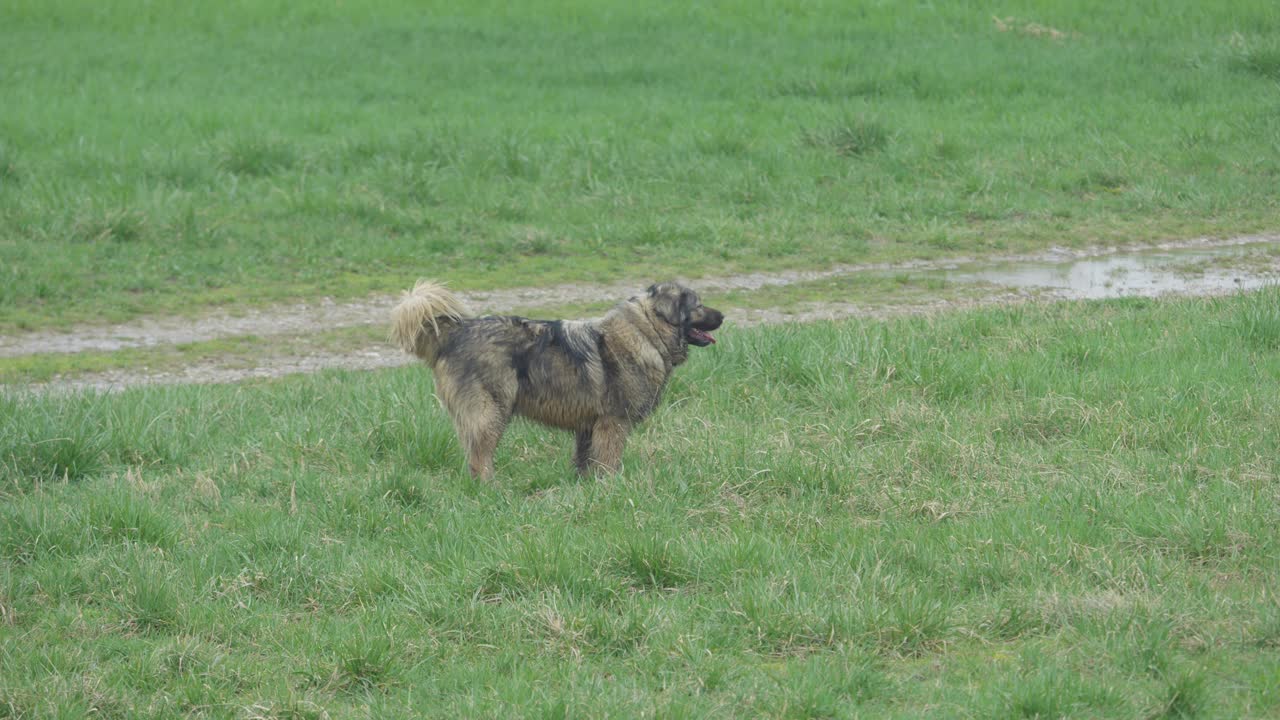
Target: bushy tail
{"points": [[422, 319]]}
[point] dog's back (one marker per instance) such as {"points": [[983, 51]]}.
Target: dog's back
{"points": [[547, 370]]}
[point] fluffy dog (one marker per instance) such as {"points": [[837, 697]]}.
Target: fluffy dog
{"points": [[597, 378]]}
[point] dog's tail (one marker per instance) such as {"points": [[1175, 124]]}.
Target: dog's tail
{"points": [[422, 319]]}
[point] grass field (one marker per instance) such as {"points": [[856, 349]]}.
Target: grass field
{"points": [[164, 156], [1037, 511]]}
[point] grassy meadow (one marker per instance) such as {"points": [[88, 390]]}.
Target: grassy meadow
{"points": [[165, 156], [1037, 511]]}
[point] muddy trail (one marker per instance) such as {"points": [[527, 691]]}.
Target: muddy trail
{"points": [[1191, 267]]}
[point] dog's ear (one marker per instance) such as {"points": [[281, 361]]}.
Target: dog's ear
{"points": [[668, 303], [688, 303]]}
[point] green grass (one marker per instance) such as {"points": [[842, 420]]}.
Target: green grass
{"points": [[1035, 511], [164, 157]]}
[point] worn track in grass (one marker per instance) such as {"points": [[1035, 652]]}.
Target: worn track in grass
{"points": [[321, 316]]}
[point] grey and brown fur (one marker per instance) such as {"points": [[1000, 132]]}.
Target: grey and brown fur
{"points": [[596, 378]]}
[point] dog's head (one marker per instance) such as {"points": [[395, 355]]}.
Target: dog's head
{"points": [[681, 307]]}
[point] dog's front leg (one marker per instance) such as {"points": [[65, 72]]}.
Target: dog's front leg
{"points": [[582, 451], [607, 439]]}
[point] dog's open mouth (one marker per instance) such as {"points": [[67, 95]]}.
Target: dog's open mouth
{"points": [[701, 338]]}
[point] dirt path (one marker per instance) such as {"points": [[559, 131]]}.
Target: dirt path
{"points": [[273, 364], [324, 315], [321, 316]]}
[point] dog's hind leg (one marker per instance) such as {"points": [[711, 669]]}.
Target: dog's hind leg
{"points": [[607, 439], [480, 416], [479, 430]]}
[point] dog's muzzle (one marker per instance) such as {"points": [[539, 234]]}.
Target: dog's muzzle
{"points": [[700, 325]]}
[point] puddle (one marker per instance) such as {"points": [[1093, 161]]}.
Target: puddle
{"points": [[1148, 274]]}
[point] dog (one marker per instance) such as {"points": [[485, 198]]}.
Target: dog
{"points": [[596, 378]]}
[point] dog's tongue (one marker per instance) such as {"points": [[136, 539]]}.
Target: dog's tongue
{"points": [[703, 335]]}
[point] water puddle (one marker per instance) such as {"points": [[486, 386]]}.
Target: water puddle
{"points": [[1145, 274]]}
